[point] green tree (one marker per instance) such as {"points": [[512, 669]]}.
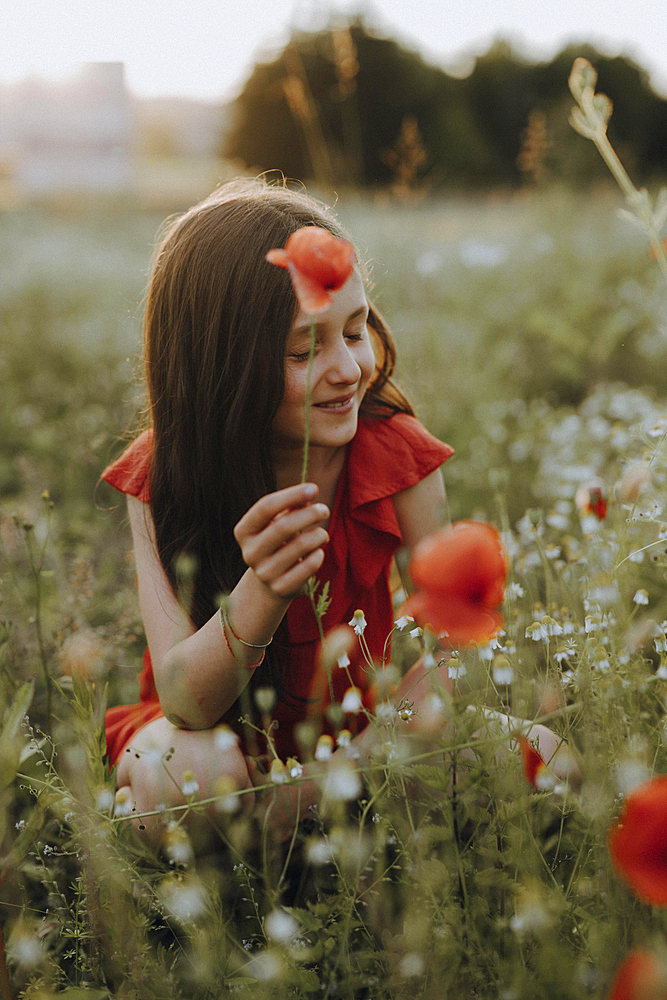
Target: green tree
{"points": [[333, 107]]}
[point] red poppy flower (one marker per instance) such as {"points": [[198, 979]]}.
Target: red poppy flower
{"points": [[590, 499], [639, 977], [460, 573], [534, 766], [319, 264], [638, 842]]}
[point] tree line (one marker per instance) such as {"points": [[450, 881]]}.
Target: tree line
{"points": [[347, 106]]}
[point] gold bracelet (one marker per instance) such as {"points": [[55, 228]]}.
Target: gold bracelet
{"points": [[248, 666], [252, 645]]}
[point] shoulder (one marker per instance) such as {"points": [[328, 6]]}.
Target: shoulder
{"points": [[129, 473], [389, 455]]}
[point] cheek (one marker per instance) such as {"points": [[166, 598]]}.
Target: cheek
{"points": [[367, 364]]}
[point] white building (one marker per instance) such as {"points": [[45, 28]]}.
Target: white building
{"points": [[73, 136]]}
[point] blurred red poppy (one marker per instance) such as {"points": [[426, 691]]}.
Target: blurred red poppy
{"points": [[639, 977], [590, 499], [533, 761], [638, 842], [319, 264], [460, 573]]}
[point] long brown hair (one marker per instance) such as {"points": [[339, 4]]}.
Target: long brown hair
{"points": [[215, 329]]}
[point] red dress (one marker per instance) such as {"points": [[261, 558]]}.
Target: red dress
{"points": [[384, 457]]}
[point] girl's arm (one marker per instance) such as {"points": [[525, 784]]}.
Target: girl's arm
{"points": [[422, 509], [196, 676]]}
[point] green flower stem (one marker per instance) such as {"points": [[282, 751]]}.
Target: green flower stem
{"points": [[309, 375], [638, 204], [304, 473]]}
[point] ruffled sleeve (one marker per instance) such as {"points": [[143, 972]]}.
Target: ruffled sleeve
{"points": [[386, 457], [129, 473]]}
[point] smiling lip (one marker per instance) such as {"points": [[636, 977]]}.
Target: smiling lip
{"points": [[340, 405]]}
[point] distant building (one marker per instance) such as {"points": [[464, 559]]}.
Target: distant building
{"points": [[90, 135], [73, 136]]}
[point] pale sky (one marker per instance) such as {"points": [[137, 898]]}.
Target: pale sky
{"points": [[205, 48]]}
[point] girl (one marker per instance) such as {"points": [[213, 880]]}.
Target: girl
{"points": [[216, 506]]}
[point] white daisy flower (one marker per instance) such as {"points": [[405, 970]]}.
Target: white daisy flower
{"points": [[278, 772], [503, 674], [404, 620], [225, 738], [294, 768], [385, 713], [324, 748], [342, 783], [641, 597], [190, 784], [123, 805], [280, 925], [455, 668], [358, 622], [352, 700]]}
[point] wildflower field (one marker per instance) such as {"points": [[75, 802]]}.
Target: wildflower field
{"points": [[532, 336]]}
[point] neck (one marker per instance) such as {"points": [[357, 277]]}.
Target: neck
{"points": [[324, 464]]}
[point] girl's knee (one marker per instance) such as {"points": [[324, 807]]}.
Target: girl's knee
{"points": [[166, 767]]}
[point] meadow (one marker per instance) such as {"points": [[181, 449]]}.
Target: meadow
{"points": [[531, 335]]}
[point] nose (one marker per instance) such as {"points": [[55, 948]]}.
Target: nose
{"points": [[342, 368]]}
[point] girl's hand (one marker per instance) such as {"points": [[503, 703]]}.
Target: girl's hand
{"points": [[281, 538]]}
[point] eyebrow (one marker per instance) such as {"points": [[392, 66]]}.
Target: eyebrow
{"points": [[305, 328]]}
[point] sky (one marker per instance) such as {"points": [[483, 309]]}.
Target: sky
{"points": [[205, 49]]}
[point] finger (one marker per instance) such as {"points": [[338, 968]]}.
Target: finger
{"points": [[291, 583], [266, 508], [296, 551], [283, 531]]}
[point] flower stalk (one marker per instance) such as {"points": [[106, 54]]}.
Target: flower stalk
{"points": [[590, 119]]}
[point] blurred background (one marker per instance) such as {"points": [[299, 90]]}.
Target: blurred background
{"points": [[157, 103]]}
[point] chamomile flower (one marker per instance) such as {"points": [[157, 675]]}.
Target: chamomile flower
{"points": [[358, 622], [565, 651], [324, 748], [352, 700], [225, 738], [123, 805], [228, 801], [385, 713], [403, 621], [277, 772], [455, 668], [280, 925], [502, 671], [641, 597], [342, 782], [294, 768], [190, 784], [343, 661], [177, 845]]}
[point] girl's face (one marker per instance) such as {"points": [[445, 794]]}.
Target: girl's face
{"points": [[343, 366]]}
